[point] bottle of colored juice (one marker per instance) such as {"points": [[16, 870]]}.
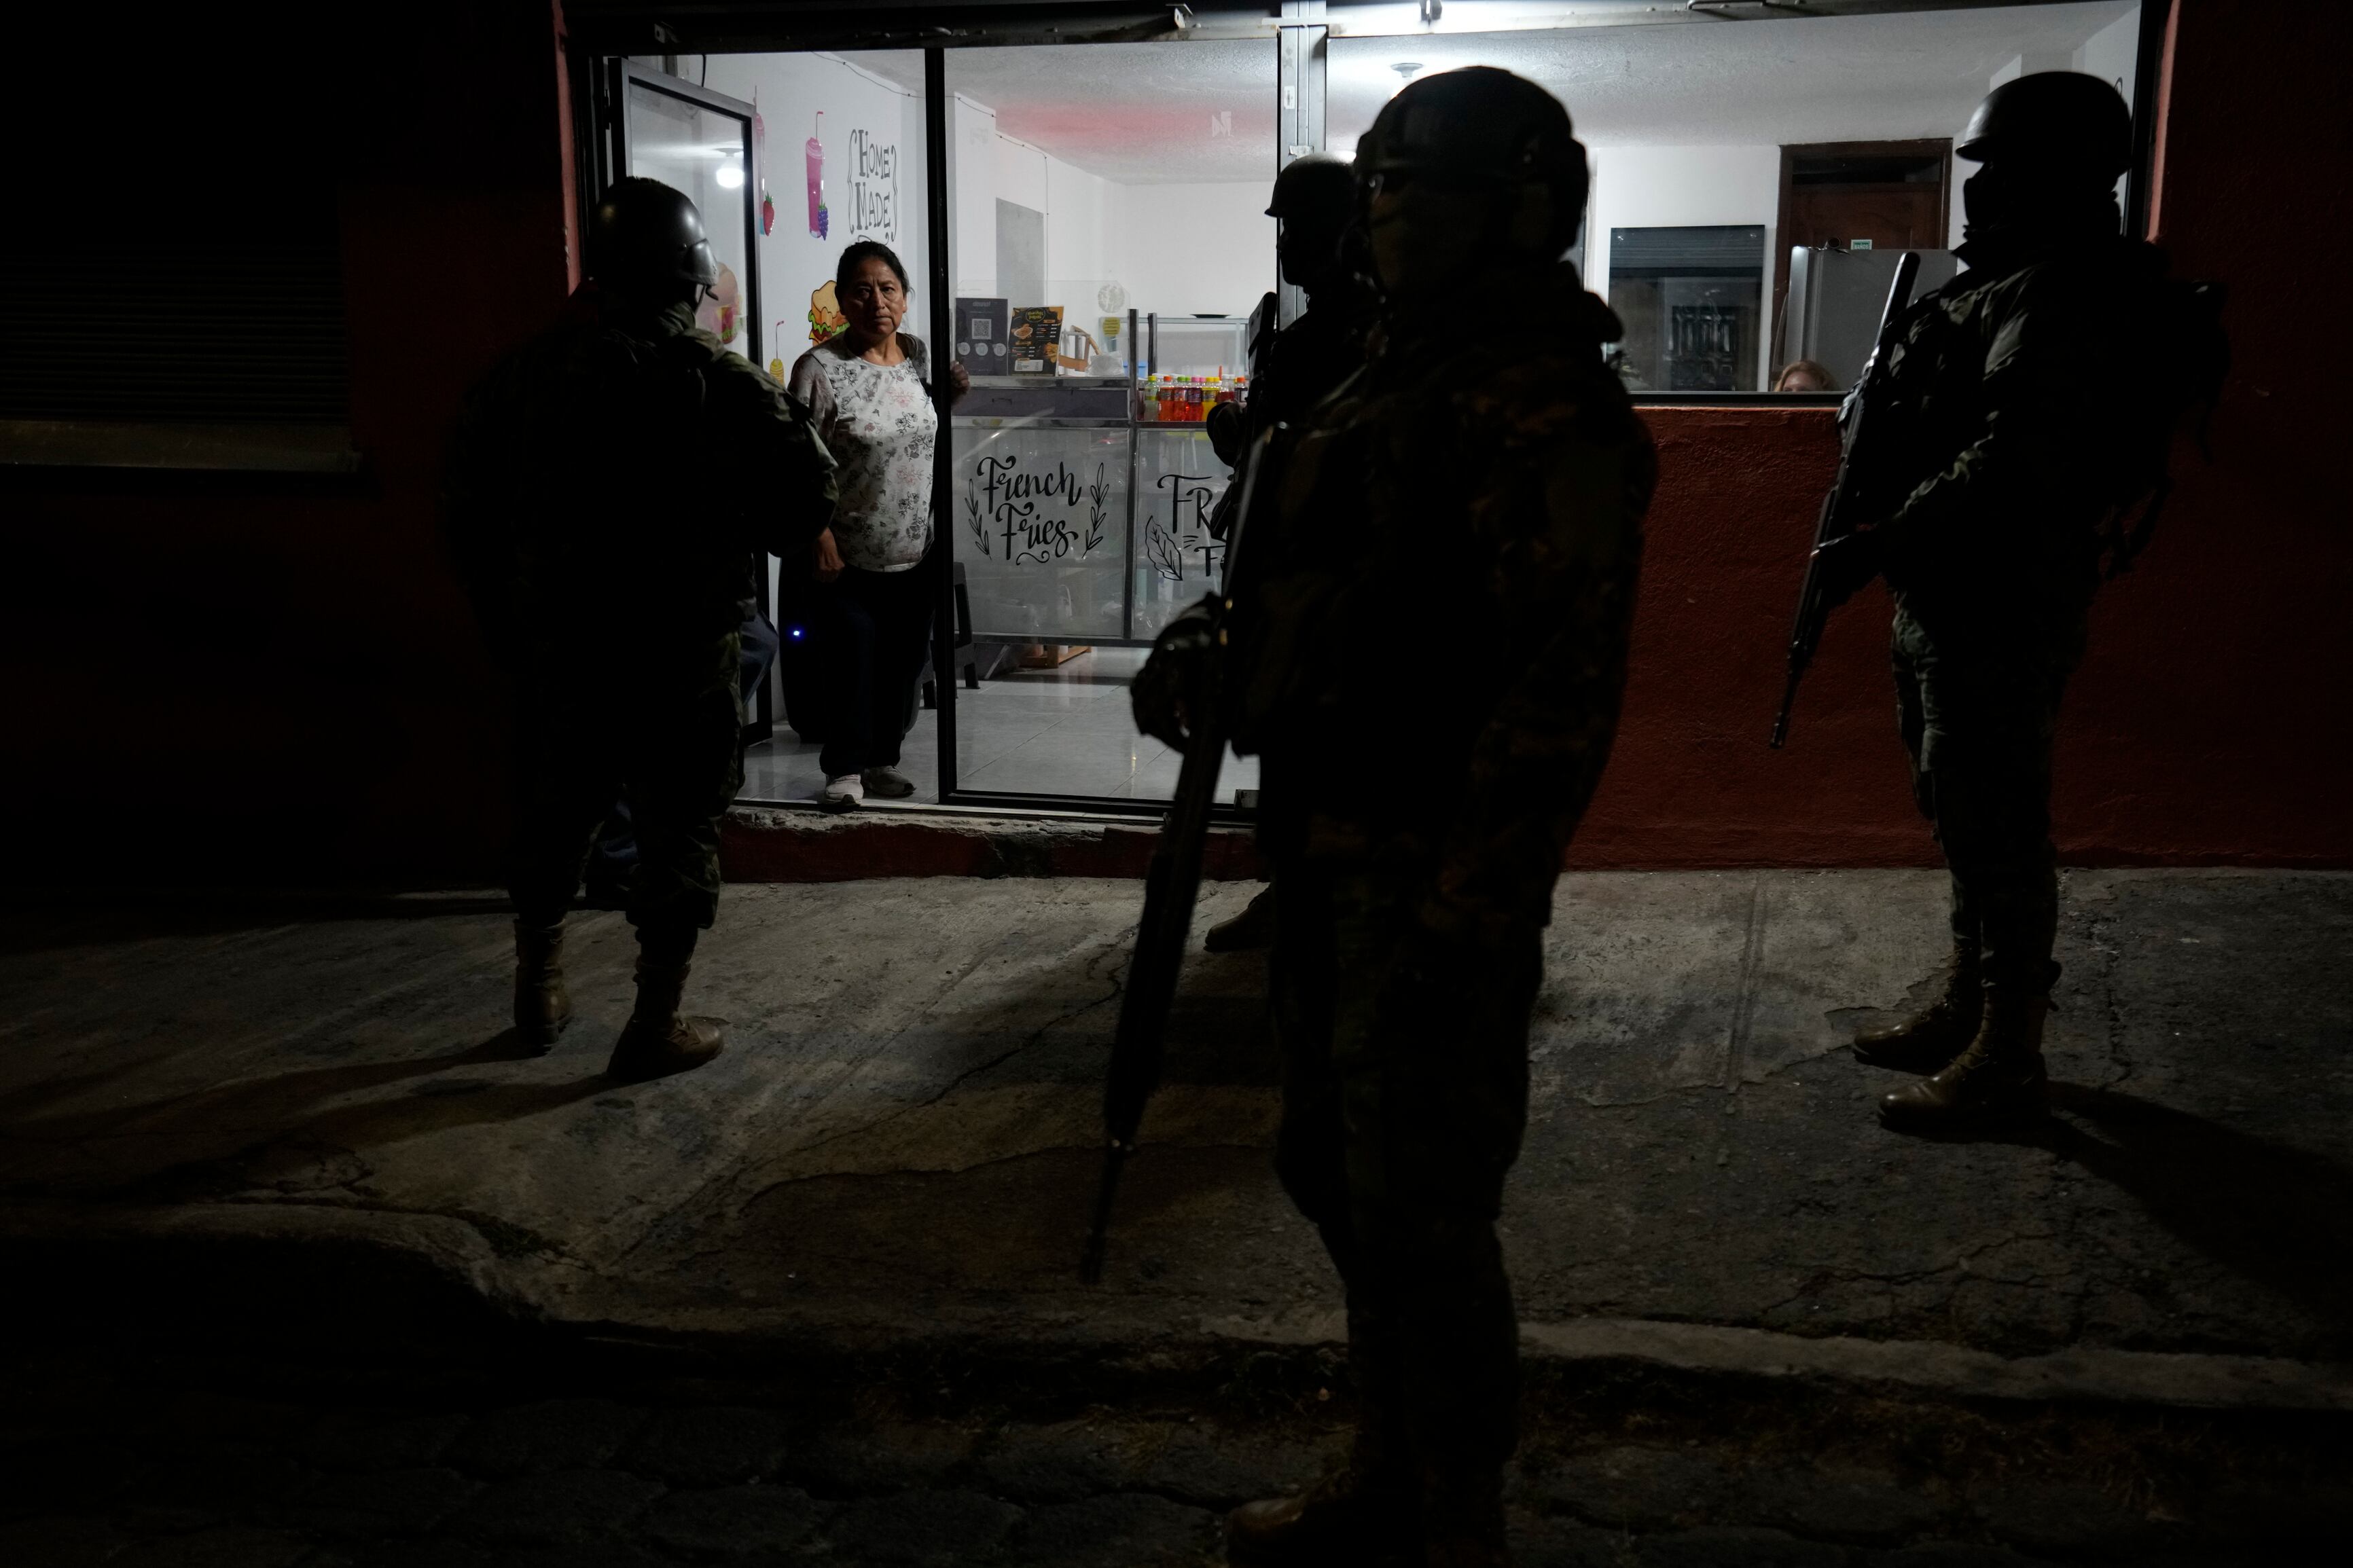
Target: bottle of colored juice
{"points": [[1147, 402]]}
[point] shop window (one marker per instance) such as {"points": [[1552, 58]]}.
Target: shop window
{"points": [[791, 157], [1099, 246], [1755, 172], [1109, 246], [1688, 298]]}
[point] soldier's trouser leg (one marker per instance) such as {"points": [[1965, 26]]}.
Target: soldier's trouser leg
{"points": [[1988, 711], [1312, 1159], [1912, 723], [1405, 1098], [567, 771], [681, 725]]}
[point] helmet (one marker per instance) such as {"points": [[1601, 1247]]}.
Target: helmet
{"points": [[1318, 187], [1477, 125], [646, 236], [2063, 118]]}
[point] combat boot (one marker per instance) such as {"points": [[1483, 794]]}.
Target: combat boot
{"points": [[1939, 1032], [1343, 1519], [1252, 929], [658, 1042], [2001, 1076], [1367, 1513], [542, 1005], [1462, 1518]]}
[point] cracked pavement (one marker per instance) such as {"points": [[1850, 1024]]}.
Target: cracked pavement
{"points": [[901, 1137]]}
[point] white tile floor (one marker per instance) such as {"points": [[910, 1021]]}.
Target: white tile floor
{"points": [[1064, 732]]}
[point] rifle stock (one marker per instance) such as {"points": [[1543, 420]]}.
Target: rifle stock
{"points": [[1171, 883], [1806, 630]]}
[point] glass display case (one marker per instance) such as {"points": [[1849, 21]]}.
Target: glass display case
{"points": [[1081, 502]]}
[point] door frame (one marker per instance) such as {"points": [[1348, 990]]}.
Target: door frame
{"points": [[1940, 147], [613, 161], [603, 157]]}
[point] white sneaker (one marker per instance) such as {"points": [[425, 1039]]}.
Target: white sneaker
{"points": [[888, 783], [841, 793]]}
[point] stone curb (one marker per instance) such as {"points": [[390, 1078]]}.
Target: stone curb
{"points": [[2091, 1373], [770, 844], [351, 1250]]}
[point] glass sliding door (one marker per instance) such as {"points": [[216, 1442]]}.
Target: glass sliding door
{"points": [[1107, 244], [701, 142], [791, 156]]}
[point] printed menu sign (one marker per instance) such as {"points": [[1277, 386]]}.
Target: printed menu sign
{"points": [[980, 335], [1034, 337]]}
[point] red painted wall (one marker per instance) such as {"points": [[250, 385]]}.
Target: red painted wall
{"points": [[260, 680], [241, 680]]}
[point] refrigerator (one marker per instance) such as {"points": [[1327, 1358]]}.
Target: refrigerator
{"points": [[1831, 313]]}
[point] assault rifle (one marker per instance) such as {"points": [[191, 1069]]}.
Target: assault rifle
{"points": [[1835, 521], [1171, 882]]}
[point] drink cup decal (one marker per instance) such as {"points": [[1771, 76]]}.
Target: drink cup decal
{"points": [[760, 160], [820, 221]]}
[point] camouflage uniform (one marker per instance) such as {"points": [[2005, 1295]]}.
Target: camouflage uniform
{"points": [[2030, 404], [1307, 360], [1482, 502], [612, 486]]}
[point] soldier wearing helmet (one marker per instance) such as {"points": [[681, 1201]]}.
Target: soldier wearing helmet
{"points": [[1318, 249], [2030, 406], [610, 485], [1470, 503]]}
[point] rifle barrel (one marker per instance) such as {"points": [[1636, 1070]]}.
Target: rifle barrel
{"points": [[1806, 629], [1171, 885]]}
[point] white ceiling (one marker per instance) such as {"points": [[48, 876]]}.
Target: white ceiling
{"points": [[1826, 79], [1171, 112], [1139, 114]]}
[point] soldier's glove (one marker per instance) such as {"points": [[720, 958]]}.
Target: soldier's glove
{"points": [[1848, 563], [1170, 687], [1227, 431]]}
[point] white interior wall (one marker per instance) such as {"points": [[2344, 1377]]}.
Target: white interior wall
{"points": [[915, 242], [1076, 232], [2113, 53], [862, 112], [1020, 173], [972, 190], [1192, 249], [1176, 248]]}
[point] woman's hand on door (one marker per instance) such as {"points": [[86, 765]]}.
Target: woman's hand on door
{"points": [[826, 560]]}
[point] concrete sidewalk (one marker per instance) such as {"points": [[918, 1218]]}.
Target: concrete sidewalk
{"points": [[899, 1144]]}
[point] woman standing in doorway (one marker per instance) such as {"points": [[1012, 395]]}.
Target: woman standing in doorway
{"points": [[869, 389]]}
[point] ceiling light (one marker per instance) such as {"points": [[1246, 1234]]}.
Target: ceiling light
{"points": [[730, 175], [1406, 71]]}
